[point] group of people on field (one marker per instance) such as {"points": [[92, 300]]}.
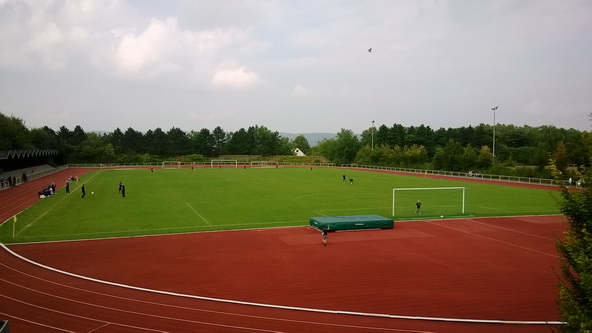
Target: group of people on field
{"points": [[47, 191], [351, 180]]}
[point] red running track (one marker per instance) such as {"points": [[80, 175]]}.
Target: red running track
{"points": [[488, 269]]}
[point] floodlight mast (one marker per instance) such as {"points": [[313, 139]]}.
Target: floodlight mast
{"points": [[372, 134], [494, 109]]}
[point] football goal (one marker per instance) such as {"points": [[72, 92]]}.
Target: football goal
{"points": [[264, 164], [224, 163], [435, 201], [171, 164]]}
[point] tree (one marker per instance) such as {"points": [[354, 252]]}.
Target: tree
{"points": [[43, 138], [94, 149], [239, 143], [116, 139], [380, 155], [560, 159], [469, 158], [448, 158], [575, 249], [301, 143], [219, 141], [203, 142], [78, 136], [156, 142], [132, 141], [382, 136], [345, 148], [414, 155], [484, 158], [13, 133], [178, 142]]}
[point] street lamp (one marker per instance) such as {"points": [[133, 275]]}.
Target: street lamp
{"points": [[494, 109], [372, 134]]}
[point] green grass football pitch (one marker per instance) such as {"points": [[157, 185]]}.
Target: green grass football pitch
{"points": [[183, 200]]}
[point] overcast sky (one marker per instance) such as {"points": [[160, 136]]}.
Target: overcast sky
{"points": [[295, 66]]}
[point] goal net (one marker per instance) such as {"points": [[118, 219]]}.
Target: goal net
{"points": [[435, 202], [171, 164], [264, 164], [224, 163]]}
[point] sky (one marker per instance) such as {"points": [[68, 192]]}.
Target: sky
{"points": [[295, 66]]}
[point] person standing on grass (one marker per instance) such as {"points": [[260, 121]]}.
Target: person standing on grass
{"points": [[120, 186], [344, 178], [123, 191], [325, 234], [83, 191], [68, 185], [418, 205]]}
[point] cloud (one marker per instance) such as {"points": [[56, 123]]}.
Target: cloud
{"points": [[299, 91], [429, 59], [151, 50], [239, 77]]}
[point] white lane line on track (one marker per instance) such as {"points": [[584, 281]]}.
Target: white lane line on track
{"points": [[129, 312], [512, 230], [231, 314], [73, 315], [6, 315], [493, 239], [286, 307]]}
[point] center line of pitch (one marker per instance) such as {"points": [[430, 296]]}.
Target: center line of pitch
{"points": [[198, 214]]}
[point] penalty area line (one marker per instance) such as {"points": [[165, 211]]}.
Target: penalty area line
{"points": [[198, 214]]}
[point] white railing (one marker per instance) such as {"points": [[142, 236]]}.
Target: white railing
{"points": [[515, 179]]}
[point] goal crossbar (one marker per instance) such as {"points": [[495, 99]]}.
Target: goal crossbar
{"points": [[172, 164], [429, 189], [223, 162]]}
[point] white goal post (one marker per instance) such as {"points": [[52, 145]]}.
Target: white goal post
{"points": [[462, 203], [264, 164], [224, 163], [171, 164]]}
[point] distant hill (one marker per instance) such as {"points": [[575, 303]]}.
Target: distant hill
{"points": [[312, 138]]}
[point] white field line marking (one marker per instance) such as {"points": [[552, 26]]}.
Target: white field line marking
{"points": [[354, 209], [283, 307], [198, 214], [52, 207], [6, 315]]}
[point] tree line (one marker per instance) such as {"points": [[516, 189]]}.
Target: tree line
{"points": [[524, 149], [132, 146]]}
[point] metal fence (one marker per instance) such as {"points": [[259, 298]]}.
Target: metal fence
{"points": [[515, 179], [41, 172]]}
